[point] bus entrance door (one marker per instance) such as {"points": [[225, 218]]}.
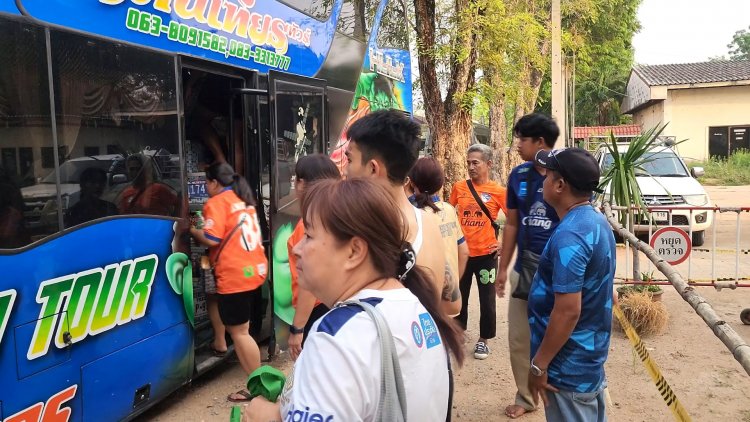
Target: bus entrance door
{"points": [[298, 127]]}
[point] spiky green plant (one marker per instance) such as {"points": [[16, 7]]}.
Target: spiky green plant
{"points": [[621, 176]]}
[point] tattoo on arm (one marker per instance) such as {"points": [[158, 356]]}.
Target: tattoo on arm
{"points": [[450, 291]]}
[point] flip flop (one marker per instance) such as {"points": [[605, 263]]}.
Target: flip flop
{"points": [[246, 396], [218, 353]]}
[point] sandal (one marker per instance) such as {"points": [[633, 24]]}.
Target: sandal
{"points": [[245, 396], [217, 353]]}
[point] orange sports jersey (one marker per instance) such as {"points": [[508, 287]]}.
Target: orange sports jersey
{"points": [[296, 237], [156, 198], [242, 265], [480, 236]]}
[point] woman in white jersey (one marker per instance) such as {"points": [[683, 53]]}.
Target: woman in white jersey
{"points": [[354, 249], [425, 180]]}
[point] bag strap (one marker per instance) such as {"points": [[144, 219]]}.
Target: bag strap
{"points": [[392, 405], [226, 239], [486, 211], [450, 387]]}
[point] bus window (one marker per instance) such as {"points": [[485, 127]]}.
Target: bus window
{"points": [[117, 118], [28, 185]]}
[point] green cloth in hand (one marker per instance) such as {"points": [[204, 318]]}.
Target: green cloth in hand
{"points": [[266, 381]]}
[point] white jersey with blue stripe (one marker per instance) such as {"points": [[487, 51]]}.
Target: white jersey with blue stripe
{"points": [[337, 376]]}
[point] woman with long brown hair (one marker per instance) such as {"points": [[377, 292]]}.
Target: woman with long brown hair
{"points": [[424, 182], [353, 252]]}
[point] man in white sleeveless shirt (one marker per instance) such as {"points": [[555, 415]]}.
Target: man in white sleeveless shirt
{"points": [[384, 146]]}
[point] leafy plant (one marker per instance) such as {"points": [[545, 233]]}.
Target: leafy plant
{"points": [[621, 176], [648, 277], [639, 288]]}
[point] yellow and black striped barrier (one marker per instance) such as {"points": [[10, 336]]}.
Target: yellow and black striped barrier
{"points": [[679, 412]]}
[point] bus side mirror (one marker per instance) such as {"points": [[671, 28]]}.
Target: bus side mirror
{"points": [[119, 178], [697, 172]]}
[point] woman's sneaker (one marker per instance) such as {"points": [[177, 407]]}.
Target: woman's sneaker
{"points": [[481, 350]]}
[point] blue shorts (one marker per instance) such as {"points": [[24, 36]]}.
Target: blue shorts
{"points": [[571, 406]]}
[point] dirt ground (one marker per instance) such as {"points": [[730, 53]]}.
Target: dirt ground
{"points": [[711, 385]]}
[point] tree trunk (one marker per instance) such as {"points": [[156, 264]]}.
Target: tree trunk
{"points": [[454, 145], [506, 156], [449, 120], [532, 77]]}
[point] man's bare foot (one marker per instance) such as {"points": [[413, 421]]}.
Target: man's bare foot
{"points": [[515, 411]]}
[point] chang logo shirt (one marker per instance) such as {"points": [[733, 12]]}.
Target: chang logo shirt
{"points": [[476, 226], [538, 219]]}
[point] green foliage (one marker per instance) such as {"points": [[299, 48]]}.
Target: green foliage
{"points": [[508, 45], [739, 48], [639, 288], [600, 48], [732, 171], [620, 179]]}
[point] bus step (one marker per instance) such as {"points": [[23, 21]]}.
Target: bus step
{"points": [[205, 359]]}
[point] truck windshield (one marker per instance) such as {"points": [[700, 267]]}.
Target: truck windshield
{"points": [[657, 164]]}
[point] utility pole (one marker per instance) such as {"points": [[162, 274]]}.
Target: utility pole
{"points": [[558, 80]]}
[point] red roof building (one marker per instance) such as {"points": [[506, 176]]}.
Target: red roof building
{"points": [[583, 132]]}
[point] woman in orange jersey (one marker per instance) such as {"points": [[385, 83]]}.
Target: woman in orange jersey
{"points": [[307, 309], [232, 233]]}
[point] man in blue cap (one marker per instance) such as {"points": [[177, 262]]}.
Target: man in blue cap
{"points": [[570, 301]]}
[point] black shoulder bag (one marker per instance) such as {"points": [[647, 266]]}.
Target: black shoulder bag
{"points": [[486, 211], [529, 260]]}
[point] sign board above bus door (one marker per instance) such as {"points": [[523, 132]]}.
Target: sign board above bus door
{"points": [[259, 35]]}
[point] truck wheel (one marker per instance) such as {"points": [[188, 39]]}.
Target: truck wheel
{"points": [[699, 238], [745, 316]]}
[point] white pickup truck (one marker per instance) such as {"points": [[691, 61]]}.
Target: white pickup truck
{"points": [[667, 183]]}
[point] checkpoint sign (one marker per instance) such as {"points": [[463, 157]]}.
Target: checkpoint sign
{"points": [[671, 244]]}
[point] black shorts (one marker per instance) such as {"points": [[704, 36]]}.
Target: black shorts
{"points": [[234, 308]]}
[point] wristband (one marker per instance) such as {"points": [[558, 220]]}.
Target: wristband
{"points": [[295, 330]]}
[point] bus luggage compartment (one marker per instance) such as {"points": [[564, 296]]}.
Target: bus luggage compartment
{"points": [[126, 382]]}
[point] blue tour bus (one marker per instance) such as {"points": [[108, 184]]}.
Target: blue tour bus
{"points": [[109, 112]]}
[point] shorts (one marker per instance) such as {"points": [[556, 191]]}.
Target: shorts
{"points": [[234, 308]]}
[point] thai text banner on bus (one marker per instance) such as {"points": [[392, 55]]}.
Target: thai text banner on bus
{"points": [[261, 35]]}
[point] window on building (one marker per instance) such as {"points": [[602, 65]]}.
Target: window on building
{"points": [[724, 141], [122, 100], [48, 156], [28, 201]]}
